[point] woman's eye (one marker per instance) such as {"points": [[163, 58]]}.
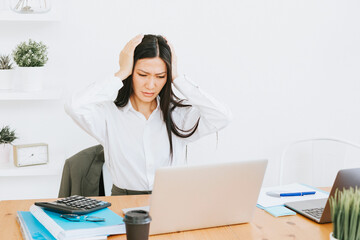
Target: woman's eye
{"points": [[161, 76], [142, 75]]}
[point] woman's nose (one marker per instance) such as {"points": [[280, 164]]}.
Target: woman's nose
{"points": [[151, 83]]}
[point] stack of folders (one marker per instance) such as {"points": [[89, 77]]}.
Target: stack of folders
{"points": [[41, 224]]}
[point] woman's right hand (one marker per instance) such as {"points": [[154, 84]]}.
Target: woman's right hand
{"points": [[126, 59]]}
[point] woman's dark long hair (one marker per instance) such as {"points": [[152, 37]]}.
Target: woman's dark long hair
{"points": [[156, 46]]}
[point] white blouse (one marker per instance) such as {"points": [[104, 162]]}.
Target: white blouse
{"points": [[135, 147]]}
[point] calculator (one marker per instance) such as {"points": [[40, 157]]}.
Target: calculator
{"points": [[74, 204]]}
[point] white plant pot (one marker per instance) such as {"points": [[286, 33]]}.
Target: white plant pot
{"points": [[6, 78], [5, 150], [332, 237], [31, 78]]}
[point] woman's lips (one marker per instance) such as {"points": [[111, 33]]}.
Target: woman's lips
{"points": [[148, 94]]}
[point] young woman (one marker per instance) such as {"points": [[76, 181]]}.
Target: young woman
{"points": [[137, 118]]}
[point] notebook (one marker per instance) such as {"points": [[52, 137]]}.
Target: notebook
{"points": [[32, 229], [318, 210], [64, 229]]}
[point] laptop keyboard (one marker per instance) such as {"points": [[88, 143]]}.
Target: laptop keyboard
{"points": [[315, 212]]}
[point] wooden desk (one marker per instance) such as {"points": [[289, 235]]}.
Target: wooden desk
{"points": [[263, 226]]}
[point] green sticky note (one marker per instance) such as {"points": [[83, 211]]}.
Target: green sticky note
{"points": [[278, 211]]}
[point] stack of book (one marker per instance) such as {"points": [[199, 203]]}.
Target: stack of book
{"points": [[41, 224]]}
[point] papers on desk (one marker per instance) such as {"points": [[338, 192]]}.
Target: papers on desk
{"points": [[266, 202]]}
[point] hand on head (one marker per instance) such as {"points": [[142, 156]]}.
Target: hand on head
{"points": [[127, 57]]}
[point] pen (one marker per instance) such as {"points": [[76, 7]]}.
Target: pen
{"points": [[290, 194]]}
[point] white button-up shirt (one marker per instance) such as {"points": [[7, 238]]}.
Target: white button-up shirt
{"points": [[134, 146]]}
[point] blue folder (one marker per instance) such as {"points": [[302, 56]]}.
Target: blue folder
{"points": [[31, 228], [112, 219]]}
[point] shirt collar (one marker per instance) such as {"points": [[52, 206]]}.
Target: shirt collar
{"points": [[129, 106]]}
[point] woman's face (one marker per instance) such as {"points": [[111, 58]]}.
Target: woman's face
{"points": [[149, 78]]}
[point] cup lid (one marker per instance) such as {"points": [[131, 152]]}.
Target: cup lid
{"points": [[137, 217]]}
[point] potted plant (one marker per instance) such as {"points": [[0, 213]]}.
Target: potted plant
{"points": [[6, 72], [31, 57], [7, 136], [345, 214]]}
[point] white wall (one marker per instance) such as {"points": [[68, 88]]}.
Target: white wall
{"points": [[287, 69]]}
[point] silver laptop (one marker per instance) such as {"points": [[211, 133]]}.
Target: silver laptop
{"points": [[202, 196], [319, 209]]}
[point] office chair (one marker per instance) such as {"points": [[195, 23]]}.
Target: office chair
{"points": [[316, 161], [85, 174]]}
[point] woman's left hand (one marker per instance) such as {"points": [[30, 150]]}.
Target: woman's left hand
{"points": [[173, 60]]}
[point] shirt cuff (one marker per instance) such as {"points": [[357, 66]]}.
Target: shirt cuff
{"points": [[109, 87], [112, 84], [183, 82]]}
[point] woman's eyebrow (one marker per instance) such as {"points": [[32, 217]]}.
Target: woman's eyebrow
{"points": [[160, 73], [149, 73]]}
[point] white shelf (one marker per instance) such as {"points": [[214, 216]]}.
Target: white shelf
{"points": [[53, 168], [8, 15], [46, 94]]}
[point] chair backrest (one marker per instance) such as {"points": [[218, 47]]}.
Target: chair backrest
{"points": [[82, 173], [316, 161]]}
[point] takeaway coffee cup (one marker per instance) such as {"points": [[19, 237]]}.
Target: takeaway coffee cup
{"points": [[137, 223]]}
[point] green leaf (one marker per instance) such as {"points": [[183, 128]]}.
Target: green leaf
{"points": [[345, 214], [7, 135], [31, 54]]}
